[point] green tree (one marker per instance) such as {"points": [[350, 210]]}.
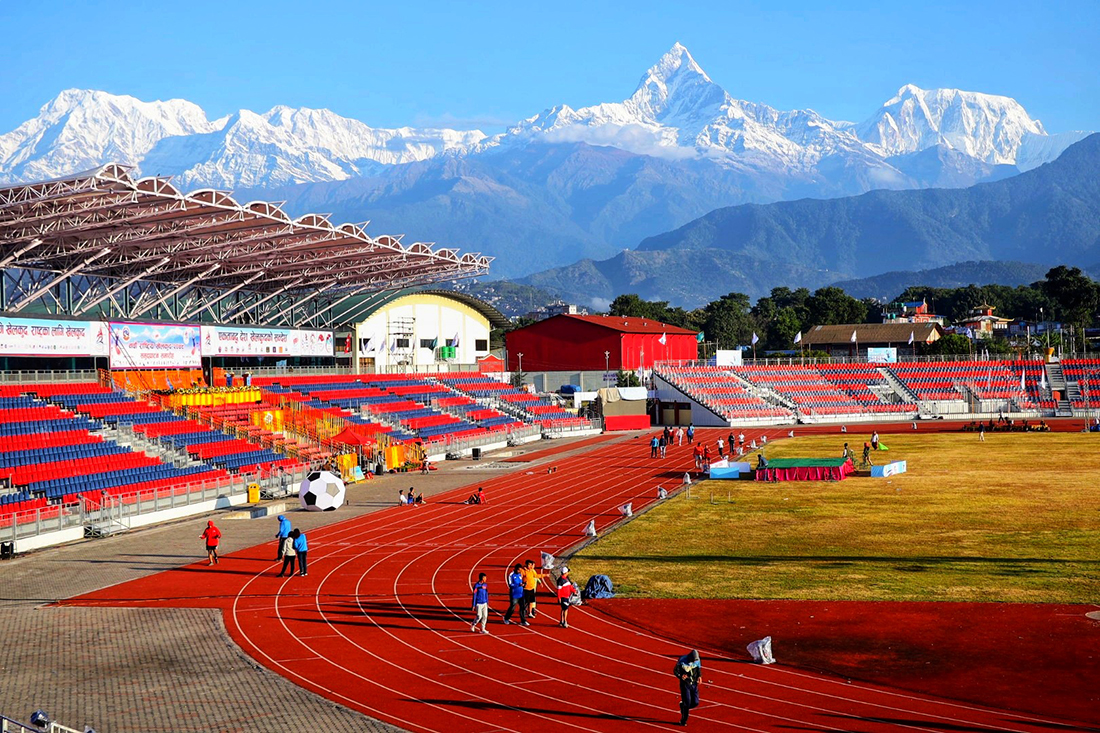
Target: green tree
{"points": [[949, 344], [1076, 295], [627, 379], [728, 320], [831, 305]]}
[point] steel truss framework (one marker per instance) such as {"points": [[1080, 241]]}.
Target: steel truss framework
{"points": [[103, 245]]}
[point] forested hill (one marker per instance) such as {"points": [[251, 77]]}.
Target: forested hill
{"points": [[1047, 215]]}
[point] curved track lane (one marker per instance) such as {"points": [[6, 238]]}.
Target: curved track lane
{"points": [[382, 622]]}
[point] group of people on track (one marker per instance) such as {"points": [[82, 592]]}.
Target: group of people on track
{"points": [[523, 583], [291, 543]]}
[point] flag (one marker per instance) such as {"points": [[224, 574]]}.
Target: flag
{"points": [[435, 343], [455, 342], [882, 446], [853, 339], [755, 338], [699, 337], [912, 337], [798, 337], [1023, 386], [393, 347], [989, 380], [663, 340], [1043, 379]]}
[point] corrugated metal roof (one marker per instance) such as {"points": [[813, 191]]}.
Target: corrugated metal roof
{"points": [[873, 333]]}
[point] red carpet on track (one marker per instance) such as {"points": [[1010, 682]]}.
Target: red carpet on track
{"points": [[381, 624]]}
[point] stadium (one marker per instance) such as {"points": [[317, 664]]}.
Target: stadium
{"points": [[263, 470]]}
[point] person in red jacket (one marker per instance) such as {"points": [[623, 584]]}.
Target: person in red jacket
{"points": [[213, 536]]}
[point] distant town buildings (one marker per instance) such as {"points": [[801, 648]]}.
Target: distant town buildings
{"points": [[910, 312], [981, 322], [557, 308]]}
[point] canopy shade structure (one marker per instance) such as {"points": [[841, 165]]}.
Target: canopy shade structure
{"points": [[133, 247]]}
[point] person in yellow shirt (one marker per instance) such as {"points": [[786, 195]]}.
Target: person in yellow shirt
{"points": [[531, 577]]}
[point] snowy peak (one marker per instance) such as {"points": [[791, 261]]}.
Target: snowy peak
{"points": [[676, 86], [988, 127], [81, 129]]}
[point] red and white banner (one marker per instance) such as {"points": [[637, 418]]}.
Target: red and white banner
{"points": [[155, 346], [40, 337]]}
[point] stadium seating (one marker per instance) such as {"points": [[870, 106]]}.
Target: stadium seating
{"points": [[49, 454]]}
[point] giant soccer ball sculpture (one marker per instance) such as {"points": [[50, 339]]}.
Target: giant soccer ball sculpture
{"points": [[322, 492]]}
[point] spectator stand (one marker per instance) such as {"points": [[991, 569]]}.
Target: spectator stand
{"points": [[67, 451]]}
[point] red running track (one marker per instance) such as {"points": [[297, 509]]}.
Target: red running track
{"points": [[381, 624]]}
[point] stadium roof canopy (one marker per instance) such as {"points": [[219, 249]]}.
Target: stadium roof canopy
{"points": [[118, 231]]}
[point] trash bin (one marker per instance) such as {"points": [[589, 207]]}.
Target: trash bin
{"points": [[253, 493], [476, 454], [7, 550]]}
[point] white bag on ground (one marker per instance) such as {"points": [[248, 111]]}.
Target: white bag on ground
{"points": [[547, 560], [687, 479], [661, 493], [590, 530], [627, 510], [761, 651]]}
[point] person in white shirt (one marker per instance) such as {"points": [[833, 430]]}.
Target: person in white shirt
{"points": [[679, 436]]}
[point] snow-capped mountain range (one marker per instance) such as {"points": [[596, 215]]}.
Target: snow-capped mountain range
{"points": [[676, 112]]}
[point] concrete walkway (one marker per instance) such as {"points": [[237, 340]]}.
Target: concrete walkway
{"points": [[146, 670]]}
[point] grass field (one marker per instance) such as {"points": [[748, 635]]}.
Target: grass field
{"points": [[1014, 519]]}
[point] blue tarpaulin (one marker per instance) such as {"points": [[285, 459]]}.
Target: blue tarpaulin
{"points": [[598, 586]]}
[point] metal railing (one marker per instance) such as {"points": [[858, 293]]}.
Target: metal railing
{"points": [[123, 507], [36, 377], [8, 725]]}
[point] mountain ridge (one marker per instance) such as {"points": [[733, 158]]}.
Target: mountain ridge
{"points": [[1047, 216]]}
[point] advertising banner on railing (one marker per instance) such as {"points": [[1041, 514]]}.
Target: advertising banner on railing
{"points": [[155, 346], [312, 343], [882, 355], [243, 341], [40, 337]]}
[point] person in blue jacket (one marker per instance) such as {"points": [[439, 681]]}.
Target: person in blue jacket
{"points": [[283, 533], [515, 597], [300, 549]]}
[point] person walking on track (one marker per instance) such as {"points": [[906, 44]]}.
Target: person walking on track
{"points": [[565, 593], [531, 577], [281, 535], [691, 433], [653, 445], [213, 536], [679, 436], [515, 596], [721, 451], [689, 670], [981, 431], [290, 558], [301, 547], [480, 604]]}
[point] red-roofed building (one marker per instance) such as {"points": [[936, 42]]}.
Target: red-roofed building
{"points": [[578, 343]]}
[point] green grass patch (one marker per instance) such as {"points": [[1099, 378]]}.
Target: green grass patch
{"points": [[1016, 518]]}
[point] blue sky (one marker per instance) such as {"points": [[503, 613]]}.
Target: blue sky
{"points": [[486, 64]]}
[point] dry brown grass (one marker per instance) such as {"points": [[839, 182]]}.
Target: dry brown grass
{"points": [[1014, 519]]}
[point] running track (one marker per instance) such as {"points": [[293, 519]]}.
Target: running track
{"points": [[381, 624]]}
